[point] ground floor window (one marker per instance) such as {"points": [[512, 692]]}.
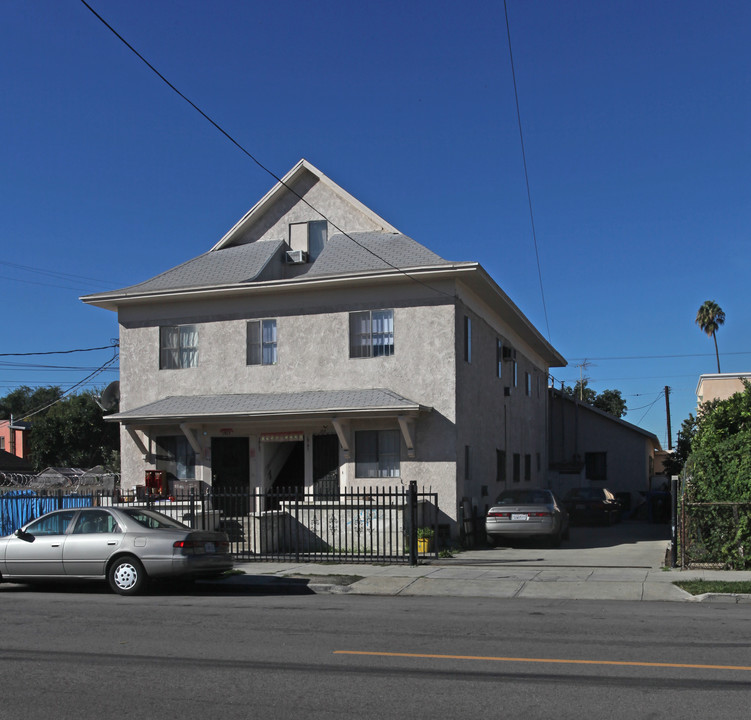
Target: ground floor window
{"points": [[176, 456], [597, 465], [377, 453]]}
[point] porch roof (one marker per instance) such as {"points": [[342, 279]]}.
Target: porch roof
{"points": [[255, 406]]}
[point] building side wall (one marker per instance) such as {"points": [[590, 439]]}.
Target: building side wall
{"points": [[495, 414], [576, 431]]}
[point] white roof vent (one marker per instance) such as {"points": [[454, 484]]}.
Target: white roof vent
{"points": [[297, 257]]}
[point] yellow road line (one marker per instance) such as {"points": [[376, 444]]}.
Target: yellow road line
{"points": [[543, 660]]}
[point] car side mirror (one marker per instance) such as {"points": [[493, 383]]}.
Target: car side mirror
{"points": [[21, 535]]}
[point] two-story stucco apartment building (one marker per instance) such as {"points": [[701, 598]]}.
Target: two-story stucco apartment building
{"points": [[316, 344]]}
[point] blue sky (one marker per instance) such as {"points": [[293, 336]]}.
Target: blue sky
{"points": [[635, 115]]}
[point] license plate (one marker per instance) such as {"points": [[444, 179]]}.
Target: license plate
{"points": [[209, 547], [519, 516]]}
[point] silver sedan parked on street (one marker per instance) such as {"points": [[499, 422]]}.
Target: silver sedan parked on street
{"points": [[125, 546], [523, 513]]}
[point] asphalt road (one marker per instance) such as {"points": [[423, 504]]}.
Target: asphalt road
{"points": [[89, 654]]}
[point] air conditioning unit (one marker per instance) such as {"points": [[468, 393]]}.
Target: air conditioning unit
{"points": [[509, 353], [297, 257]]}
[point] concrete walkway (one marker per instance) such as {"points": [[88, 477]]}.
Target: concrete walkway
{"points": [[620, 563]]}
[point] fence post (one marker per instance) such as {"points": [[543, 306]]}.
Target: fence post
{"points": [[674, 521], [193, 507], [412, 523]]}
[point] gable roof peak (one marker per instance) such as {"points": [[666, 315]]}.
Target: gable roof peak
{"points": [[284, 185]]}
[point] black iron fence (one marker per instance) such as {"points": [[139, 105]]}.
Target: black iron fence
{"points": [[354, 525]]}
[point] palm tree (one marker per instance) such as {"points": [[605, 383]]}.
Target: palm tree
{"points": [[709, 318]]}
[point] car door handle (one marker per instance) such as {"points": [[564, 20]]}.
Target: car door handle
{"points": [[55, 545], [111, 543]]}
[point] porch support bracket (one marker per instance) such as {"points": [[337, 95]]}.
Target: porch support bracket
{"points": [[136, 438], [407, 426], [191, 437], [342, 432]]}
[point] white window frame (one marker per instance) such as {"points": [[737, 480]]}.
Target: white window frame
{"points": [[263, 350], [184, 352], [364, 341]]}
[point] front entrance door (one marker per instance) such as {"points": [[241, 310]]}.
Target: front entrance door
{"points": [[230, 475], [325, 466]]}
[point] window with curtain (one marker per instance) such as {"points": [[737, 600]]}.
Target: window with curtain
{"points": [[261, 342], [371, 333], [377, 453], [178, 347]]}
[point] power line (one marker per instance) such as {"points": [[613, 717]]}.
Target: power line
{"points": [[661, 357], [98, 371], [61, 352], [526, 172], [52, 273], [249, 154]]}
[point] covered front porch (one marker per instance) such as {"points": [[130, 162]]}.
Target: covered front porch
{"points": [[318, 442]]}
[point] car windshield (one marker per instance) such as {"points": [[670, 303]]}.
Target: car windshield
{"points": [[524, 497], [153, 520]]}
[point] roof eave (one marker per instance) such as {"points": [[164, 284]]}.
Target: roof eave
{"points": [[111, 302]]}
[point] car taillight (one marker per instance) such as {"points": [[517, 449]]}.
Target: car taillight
{"points": [[188, 547], [539, 514], [499, 514]]}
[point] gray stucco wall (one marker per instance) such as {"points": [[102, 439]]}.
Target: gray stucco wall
{"points": [[494, 414], [313, 354]]}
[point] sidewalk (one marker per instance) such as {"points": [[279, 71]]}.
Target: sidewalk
{"points": [[630, 570]]}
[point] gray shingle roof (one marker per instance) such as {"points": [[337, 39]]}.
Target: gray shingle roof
{"points": [[246, 263], [241, 263], [274, 404], [371, 251]]}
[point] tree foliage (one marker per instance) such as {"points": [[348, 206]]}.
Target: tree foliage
{"points": [[719, 463], [70, 433], [609, 401], [709, 318], [73, 433], [24, 400], [674, 465]]}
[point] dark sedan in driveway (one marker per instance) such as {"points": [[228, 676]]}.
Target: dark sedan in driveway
{"points": [[523, 513], [588, 504], [125, 546]]}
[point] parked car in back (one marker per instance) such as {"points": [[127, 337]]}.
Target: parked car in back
{"points": [[125, 546], [589, 504], [524, 513]]}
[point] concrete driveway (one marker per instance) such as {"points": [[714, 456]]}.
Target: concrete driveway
{"points": [[625, 545]]}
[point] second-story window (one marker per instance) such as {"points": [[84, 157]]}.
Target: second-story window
{"points": [[467, 339], [178, 347], [371, 333], [261, 342]]}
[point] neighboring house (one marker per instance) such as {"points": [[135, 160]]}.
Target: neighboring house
{"points": [[304, 350], [720, 386], [589, 447], [10, 463], [15, 438]]}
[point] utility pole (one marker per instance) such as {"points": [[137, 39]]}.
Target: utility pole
{"points": [[667, 410], [583, 365]]}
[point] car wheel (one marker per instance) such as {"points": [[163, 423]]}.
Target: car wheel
{"points": [[567, 533], [126, 576], [492, 541], [555, 540]]}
